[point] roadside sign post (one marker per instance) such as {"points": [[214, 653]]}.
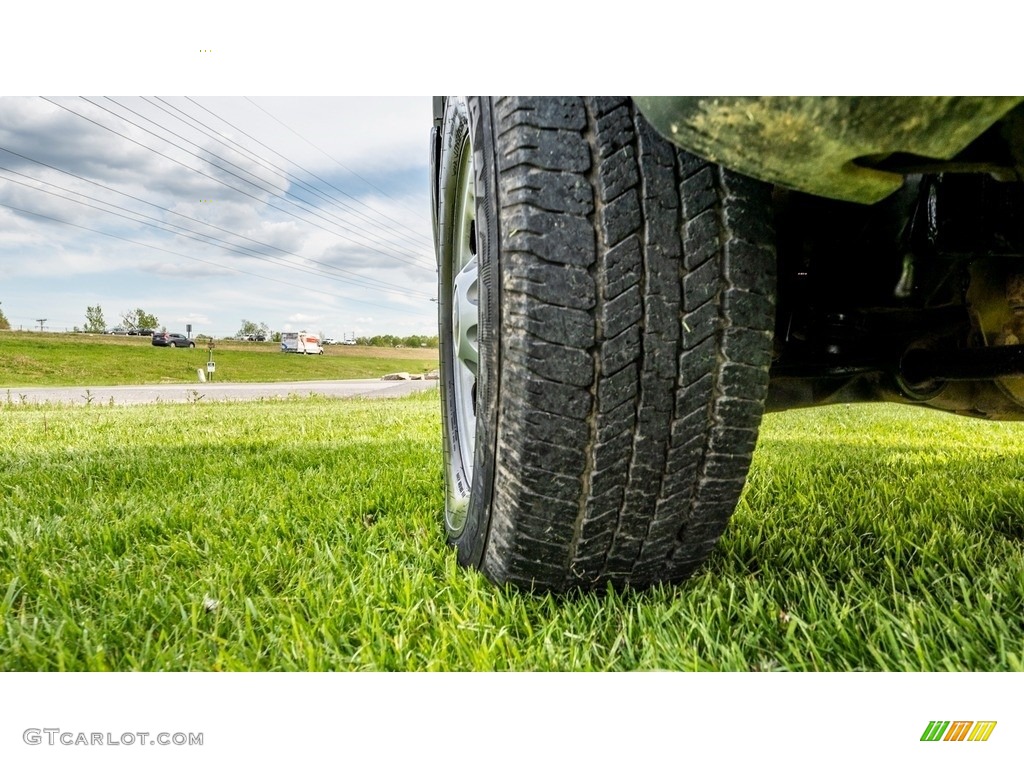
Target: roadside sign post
{"points": [[210, 365]]}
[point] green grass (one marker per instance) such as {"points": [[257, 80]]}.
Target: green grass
{"points": [[47, 359], [305, 535]]}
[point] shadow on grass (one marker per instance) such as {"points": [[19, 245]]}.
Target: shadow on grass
{"points": [[875, 510]]}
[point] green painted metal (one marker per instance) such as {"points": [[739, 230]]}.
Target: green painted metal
{"points": [[811, 143]]}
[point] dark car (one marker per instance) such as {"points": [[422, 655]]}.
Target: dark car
{"points": [[172, 340], [627, 285]]}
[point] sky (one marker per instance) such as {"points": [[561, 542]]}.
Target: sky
{"points": [[303, 213]]}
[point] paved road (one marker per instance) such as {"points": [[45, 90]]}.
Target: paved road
{"points": [[183, 393]]}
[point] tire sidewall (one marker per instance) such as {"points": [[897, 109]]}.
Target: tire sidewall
{"points": [[467, 129]]}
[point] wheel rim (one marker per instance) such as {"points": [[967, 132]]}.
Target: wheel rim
{"points": [[465, 317]]}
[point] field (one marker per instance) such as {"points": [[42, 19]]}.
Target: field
{"points": [[305, 535], [46, 359]]}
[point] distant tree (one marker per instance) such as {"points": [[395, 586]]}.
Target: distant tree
{"points": [[249, 328], [139, 320], [417, 341], [94, 322], [4, 323]]}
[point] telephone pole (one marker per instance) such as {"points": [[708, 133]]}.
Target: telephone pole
{"points": [[41, 321]]}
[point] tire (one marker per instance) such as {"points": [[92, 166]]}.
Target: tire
{"points": [[605, 312], [172, 345], [192, 345]]}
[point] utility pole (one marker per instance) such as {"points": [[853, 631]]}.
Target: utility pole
{"points": [[41, 321]]}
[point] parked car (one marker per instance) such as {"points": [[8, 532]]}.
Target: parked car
{"points": [[626, 285], [172, 340]]}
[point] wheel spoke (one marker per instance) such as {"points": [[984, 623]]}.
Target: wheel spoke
{"points": [[465, 316]]}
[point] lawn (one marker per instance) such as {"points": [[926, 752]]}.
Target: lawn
{"points": [[305, 535], [48, 359]]}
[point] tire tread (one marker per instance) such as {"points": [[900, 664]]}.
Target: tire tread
{"points": [[637, 310]]}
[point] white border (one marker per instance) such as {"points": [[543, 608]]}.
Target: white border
{"points": [[307, 47], [515, 720]]}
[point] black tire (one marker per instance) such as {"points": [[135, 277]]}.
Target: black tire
{"points": [[624, 305]]}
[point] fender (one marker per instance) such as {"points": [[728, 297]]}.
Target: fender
{"points": [[823, 145]]}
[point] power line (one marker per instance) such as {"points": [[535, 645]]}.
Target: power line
{"points": [[203, 261], [331, 199], [365, 281], [193, 235], [281, 193], [232, 144], [229, 186], [314, 211], [325, 154]]}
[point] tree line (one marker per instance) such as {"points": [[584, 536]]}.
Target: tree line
{"points": [[136, 319], [388, 340], [140, 320], [132, 320]]}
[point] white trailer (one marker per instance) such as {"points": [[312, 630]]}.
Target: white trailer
{"points": [[303, 342]]}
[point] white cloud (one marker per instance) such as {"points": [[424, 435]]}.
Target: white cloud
{"points": [[193, 319], [303, 318]]}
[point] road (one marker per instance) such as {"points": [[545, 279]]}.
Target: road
{"points": [[184, 393]]}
